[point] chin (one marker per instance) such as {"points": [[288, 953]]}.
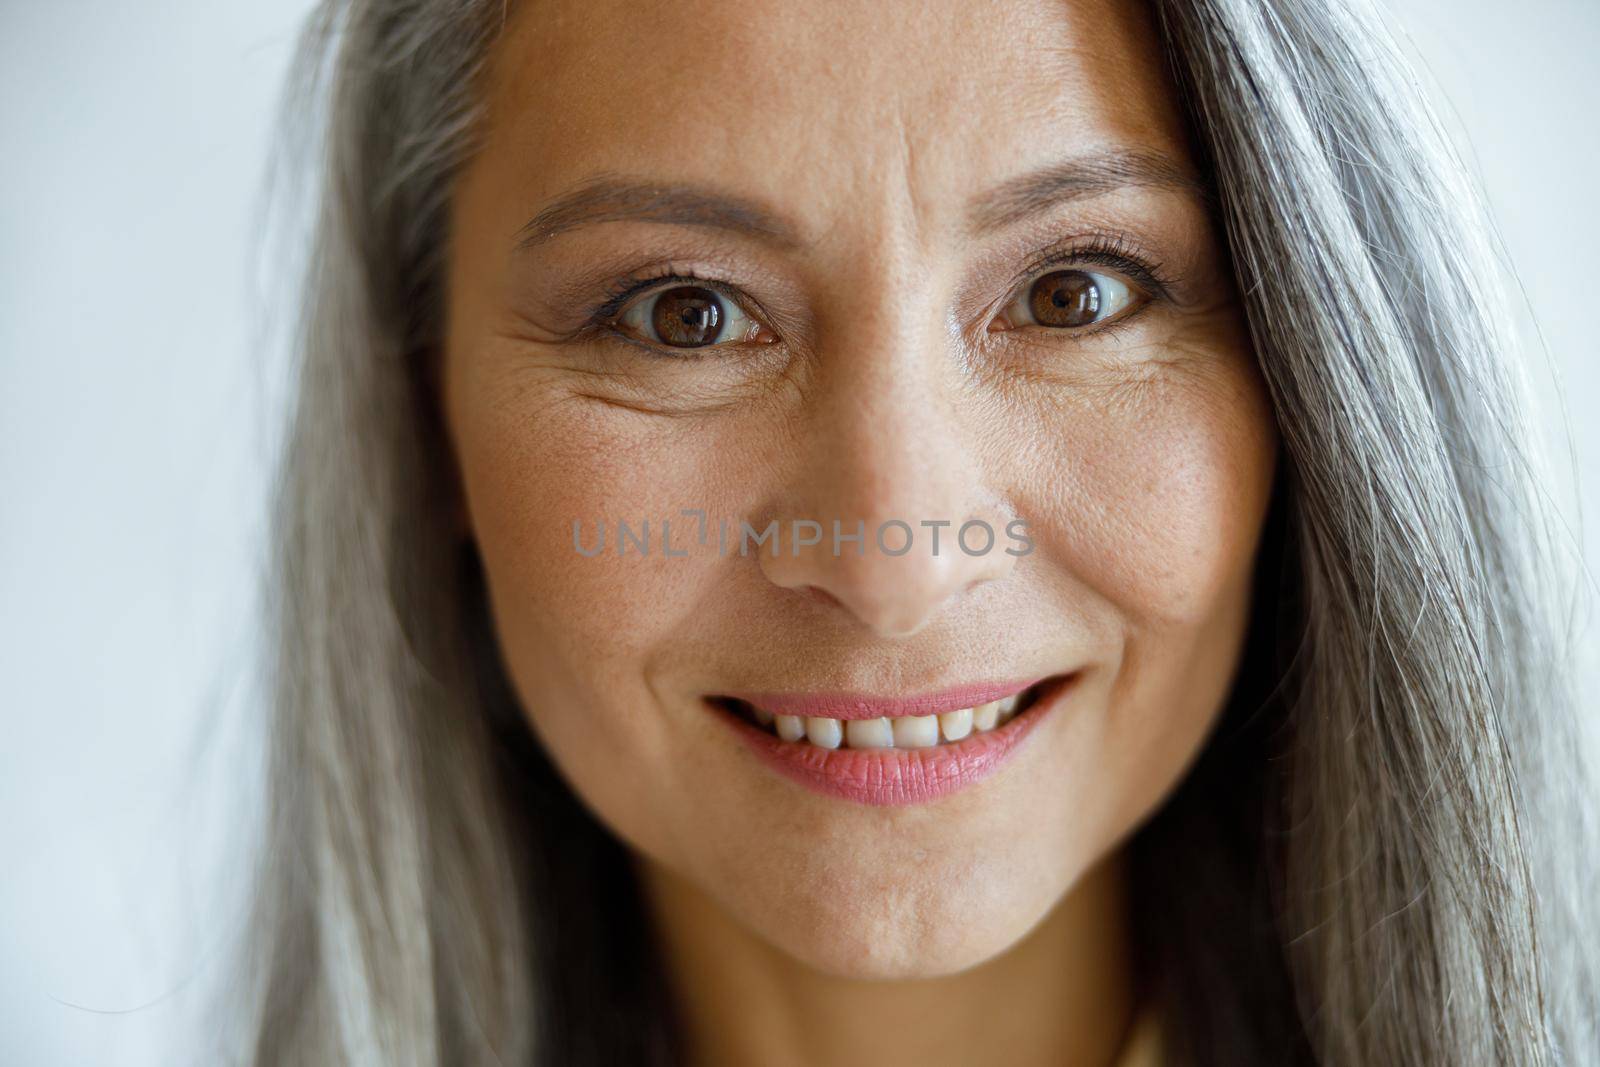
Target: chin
{"points": [[939, 922]]}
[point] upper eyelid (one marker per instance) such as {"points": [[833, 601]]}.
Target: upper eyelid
{"points": [[1021, 291], [1143, 276], [649, 286]]}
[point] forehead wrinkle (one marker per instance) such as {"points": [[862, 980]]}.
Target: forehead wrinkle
{"points": [[954, 123], [918, 202]]}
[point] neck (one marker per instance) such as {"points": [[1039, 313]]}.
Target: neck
{"points": [[1063, 995]]}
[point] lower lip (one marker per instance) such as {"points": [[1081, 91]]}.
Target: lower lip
{"points": [[890, 776]]}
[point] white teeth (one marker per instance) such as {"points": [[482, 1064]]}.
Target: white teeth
{"points": [[984, 716], [956, 724], [824, 733], [913, 731], [869, 733], [906, 731]]}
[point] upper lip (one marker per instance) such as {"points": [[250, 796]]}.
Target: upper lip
{"points": [[845, 705]]}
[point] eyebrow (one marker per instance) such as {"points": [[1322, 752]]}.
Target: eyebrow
{"points": [[613, 198], [616, 198], [1080, 178]]}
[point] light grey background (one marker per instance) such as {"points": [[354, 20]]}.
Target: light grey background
{"points": [[141, 384]]}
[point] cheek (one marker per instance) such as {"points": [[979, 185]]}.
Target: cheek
{"points": [[577, 633], [1157, 492], [1160, 493], [534, 468]]}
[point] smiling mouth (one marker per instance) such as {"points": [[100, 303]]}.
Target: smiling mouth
{"points": [[901, 731], [892, 750]]}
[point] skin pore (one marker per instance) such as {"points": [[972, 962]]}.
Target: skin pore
{"points": [[872, 196]]}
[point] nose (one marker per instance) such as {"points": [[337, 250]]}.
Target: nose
{"points": [[886, 516]]}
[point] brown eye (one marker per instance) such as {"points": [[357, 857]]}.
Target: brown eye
{"points": [[1069, 299], [688, 316], [1065, 298]]}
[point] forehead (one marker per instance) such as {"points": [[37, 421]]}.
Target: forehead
{"points": [[829, 106]]}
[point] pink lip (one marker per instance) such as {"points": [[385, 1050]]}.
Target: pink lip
{"points": [[899, 776], [866, 706]]}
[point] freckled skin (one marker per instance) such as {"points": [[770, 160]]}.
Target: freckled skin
{"points": [[1141, 457]]}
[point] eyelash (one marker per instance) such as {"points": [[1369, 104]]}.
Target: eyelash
{"points": [[1106, 250], [626, 288]]}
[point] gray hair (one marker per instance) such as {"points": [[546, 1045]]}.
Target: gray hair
{"points": [[1380, 843]]}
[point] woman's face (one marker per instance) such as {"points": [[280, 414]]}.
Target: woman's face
{"points": [[895, 264]]}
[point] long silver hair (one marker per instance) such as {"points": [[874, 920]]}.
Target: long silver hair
{"points": [[1379, 849]]}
